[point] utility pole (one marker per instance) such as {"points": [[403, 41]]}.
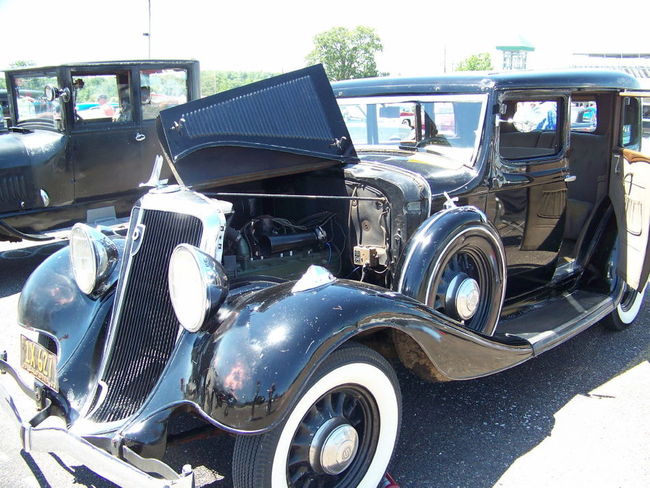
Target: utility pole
{"points": [[444, 58], [148, 33]]}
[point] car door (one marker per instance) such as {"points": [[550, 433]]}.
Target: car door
{"points": [[106, 134], [629, 191], [162, 87], [527, 203]]}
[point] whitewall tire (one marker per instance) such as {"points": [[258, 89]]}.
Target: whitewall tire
{"points": [[341, 432], [627, 309]]}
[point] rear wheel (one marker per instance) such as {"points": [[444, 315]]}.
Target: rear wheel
{"points": [[341, 433], [627, 310], [631, 300]]}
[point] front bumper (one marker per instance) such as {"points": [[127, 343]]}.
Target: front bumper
{"points": [[124, 472]]}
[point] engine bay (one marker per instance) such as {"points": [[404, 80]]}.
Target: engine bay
{"points": [[280, 227]]}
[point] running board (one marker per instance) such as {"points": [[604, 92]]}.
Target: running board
{"points": [[557, 320]]}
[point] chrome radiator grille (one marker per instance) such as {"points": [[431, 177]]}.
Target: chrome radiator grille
{"points": [[144, 325]]}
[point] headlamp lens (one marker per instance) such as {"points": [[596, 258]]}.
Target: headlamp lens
{"points": [[93, 257], [197, 286], [187, 290], [83, 258]]}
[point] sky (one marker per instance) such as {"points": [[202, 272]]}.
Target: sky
{"points": [[419, 37]]}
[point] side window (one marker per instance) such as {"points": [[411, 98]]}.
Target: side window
{"points": [[102, 98], [161, 89], [530, 128], [630, 136], [584, 115]]}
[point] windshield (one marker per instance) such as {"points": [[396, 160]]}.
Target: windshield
{"points": [[447, 125], [31, 104]]}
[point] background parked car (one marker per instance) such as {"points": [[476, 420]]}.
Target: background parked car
{"points": [[80, 153]]}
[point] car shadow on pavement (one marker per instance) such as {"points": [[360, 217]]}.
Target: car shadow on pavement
{"points": [[467, 434], [458, 434], [82, 475], [36, 471]]}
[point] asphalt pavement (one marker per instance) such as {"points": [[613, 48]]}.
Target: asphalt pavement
{"points": [[576, 416]]}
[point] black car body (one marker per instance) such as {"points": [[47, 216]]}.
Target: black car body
{"points": [[80, 155], [4, 106], [468, 229]]}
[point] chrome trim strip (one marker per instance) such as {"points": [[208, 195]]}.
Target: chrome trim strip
{"points": [[303, 197], [173, 199], [551, 338], [212, 213], [60, 440], [123, 279]]}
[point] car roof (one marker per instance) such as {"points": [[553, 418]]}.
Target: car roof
{"points": [[99, 64], [482, 82]]}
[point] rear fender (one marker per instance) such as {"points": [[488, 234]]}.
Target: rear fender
{"points": [[248, 374]]}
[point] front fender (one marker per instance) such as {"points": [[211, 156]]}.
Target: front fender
{"points": [[52, 304], [250, 372], [423, 250]]}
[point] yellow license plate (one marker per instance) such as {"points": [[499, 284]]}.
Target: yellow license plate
{"points": [[38, 361]]}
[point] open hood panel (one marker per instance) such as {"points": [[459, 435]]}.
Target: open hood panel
{"points": [[285, 124]]}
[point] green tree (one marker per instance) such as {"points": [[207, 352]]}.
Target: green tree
{"points": [[476, 62], [217, 81], [22, 63], [347, 53]]}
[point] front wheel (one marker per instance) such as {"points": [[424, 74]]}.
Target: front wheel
{"points": [[341, 433]]}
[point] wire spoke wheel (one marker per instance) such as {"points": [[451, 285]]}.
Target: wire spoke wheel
{"points": [[340, 425], [341, 433]]}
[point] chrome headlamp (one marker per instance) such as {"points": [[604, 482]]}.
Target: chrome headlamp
{"points": [[93, 257], [198, 285]]}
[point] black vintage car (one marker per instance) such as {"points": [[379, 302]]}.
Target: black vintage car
{"points": [[467, 230], [81, 139]]}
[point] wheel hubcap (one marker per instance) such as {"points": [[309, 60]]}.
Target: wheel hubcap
{"points": [[463, 295], [334, 447], [335, 441]]}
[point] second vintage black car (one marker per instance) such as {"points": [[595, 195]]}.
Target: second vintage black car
{"points": [[461, 225], [81, 138]]}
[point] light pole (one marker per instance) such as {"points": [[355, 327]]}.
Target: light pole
{"points": [[148, 33]]}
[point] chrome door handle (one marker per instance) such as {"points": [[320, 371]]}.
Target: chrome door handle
{"points": [[139, 137], [570, 178]]}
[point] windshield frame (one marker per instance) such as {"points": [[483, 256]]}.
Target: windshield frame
{"points": [[422, 99], [52, 123]]}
